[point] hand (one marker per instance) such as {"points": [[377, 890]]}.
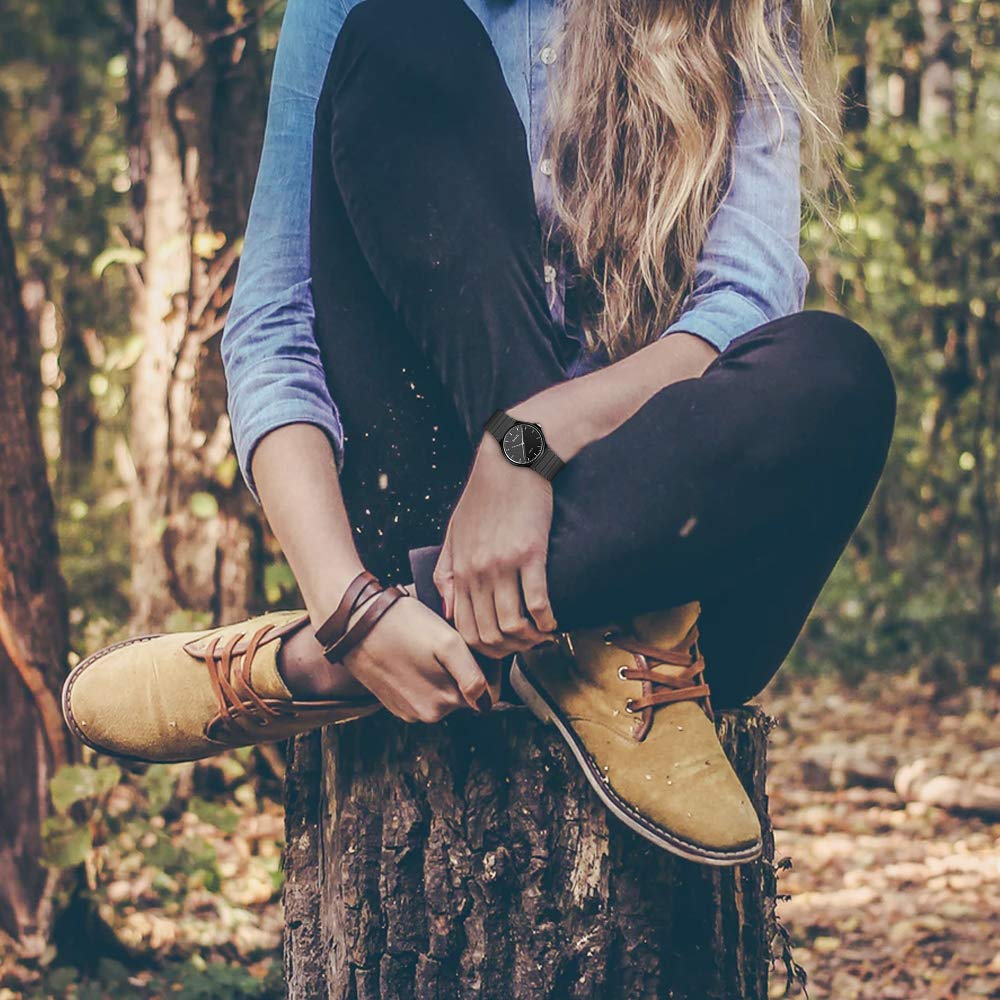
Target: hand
{"points": [[417, 665], [491, 571]]}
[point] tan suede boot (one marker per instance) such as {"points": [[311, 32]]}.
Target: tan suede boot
{"points": [[634, 708], [189, 695]]}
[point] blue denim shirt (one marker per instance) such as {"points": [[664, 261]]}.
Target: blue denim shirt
{"points": [[749, 271]]}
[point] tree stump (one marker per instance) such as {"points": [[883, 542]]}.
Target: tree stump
{"points": [[472, 859]]}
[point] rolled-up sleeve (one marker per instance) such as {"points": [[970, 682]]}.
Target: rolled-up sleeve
{"points": [[749, 271], [274, 372]]}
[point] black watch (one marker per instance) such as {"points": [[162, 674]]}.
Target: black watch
{"points": [[524, 444]]}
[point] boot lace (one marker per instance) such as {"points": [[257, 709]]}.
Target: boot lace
{"points": [[240, 706], [662, 687]]}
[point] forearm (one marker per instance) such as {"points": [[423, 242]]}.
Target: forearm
{"points": [[296, 479], [575, 413]]}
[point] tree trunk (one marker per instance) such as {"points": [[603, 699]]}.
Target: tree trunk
{"points": [[33, 629], [197, 95], [472, 859]]}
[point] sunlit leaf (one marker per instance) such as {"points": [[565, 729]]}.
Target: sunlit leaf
{"points": [[67, 847], [207, 245], [203, 505], [116, 255]]}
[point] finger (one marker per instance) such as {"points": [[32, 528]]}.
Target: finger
{"points": [[444, 578], [536, 595], [485, 609], [422, 690], [465, 617], [458, 660], [437, 705], [397, 703], [514, 622]]}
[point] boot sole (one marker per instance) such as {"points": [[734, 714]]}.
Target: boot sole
{"points": [[546, 712]]}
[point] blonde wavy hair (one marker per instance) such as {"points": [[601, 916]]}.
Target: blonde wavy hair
{"points": [[643, 106]]}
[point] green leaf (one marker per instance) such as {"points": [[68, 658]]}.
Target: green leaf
{"points": [[99, 384], [224, 817], [159, 783], [76, 782], [203, 505], [108, 776], [226, 470], [278, 580], [113, 974], [116, 255], [68, 847], [165, 855]]}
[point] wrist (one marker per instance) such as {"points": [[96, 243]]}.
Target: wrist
{"points": [[564, 425], [574, 413], [325, 586], [522, 443], [490, 456], [359, 610]]}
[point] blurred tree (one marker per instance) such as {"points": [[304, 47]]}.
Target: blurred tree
{"points": [[33, 629], [197, 87], [916, 264], [64, 170]]}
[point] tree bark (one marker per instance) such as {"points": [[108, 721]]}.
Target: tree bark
{"points": [[472, 859], [197, 98], [33, 628]]}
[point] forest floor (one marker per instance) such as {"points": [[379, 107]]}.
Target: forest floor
{"points": [[889, 899], [892, 895]]}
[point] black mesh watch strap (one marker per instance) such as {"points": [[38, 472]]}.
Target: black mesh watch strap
{"points": [[548, 464], [499, 424]]}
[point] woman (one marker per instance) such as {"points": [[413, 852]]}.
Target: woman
{"points": [[509, 240]]}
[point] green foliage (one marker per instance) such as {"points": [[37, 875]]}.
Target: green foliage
{"points": [[198, 981], [66, 844], [916, 265], [194, 979], [180, 859], [76, 782], [204, 505], [278, 581], [219, 816], [116, 255]]}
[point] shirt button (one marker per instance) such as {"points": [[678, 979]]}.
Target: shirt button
{"points": [[546, 167], [550, 274], [548, 55]]}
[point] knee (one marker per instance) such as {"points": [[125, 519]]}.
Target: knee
{"points": [[846, 368], [433, 47]]}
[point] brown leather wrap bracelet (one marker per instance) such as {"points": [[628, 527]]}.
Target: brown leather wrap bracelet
{"points": [[334, 635]]}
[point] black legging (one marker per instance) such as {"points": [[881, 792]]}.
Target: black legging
{"points": [[739, 489]]}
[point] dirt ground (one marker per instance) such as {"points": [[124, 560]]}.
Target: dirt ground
{"points": [[888, 898]]}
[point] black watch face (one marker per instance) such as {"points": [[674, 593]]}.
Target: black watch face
{"points": [[523, 443]]}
